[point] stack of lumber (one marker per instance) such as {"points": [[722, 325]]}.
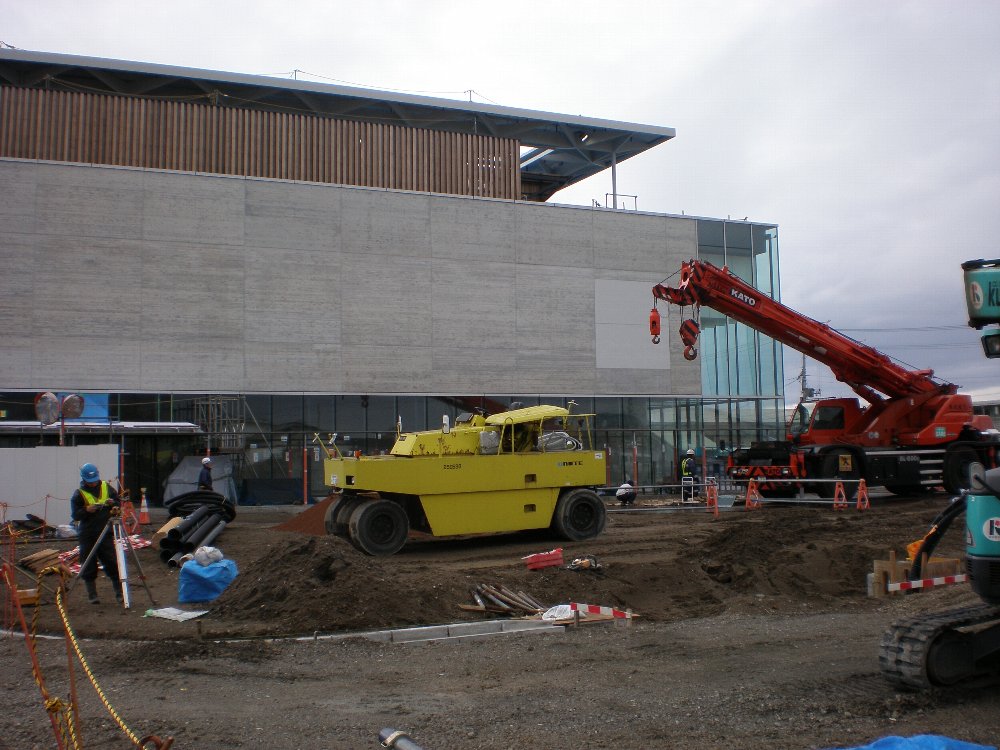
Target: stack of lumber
{"points": [[498, 599], [40, 560]]}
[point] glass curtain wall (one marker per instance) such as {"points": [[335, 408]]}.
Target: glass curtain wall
{"points": [[741, 368]]}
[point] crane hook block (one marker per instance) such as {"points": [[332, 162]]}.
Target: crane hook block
{"points": [[689, 331], [654, 325], [690, 353]]}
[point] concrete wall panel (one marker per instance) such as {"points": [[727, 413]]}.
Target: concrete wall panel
{"points": [[379, 223], [384, 300], [555, 235], [482, 230], [20, 268], [195, 209], [292, 216], [473, 305], [79, 201], [18, 183], [192, 292], [161, 281], [291, 294]]}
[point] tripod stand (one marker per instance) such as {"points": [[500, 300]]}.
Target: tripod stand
{"points": [[122, 543]]}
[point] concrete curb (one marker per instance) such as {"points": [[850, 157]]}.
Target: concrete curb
{"points": [[453, 631]]}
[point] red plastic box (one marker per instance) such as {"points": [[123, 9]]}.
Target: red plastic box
{"points": [[544, 559]]}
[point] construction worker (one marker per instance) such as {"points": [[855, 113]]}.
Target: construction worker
{"points": [[688, 464], [92, 505], [205, 477], [626, 494], [688, 468]]}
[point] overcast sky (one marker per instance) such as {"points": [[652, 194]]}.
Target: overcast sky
{"points": [[869, 132]]}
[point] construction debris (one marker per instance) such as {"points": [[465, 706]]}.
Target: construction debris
{"points": [[587, 562], [501, 600]]}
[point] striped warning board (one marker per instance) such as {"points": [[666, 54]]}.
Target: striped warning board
{"points": [[926, 583], [592, 609]]}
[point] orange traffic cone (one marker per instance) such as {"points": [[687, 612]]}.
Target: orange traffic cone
{"points": [[143, 510]]}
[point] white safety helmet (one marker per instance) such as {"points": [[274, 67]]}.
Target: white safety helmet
{"points": [[690, 451], [206, 460]]}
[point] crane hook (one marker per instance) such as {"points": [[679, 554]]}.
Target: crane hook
{"points": [[654, 324], [690, 353]]}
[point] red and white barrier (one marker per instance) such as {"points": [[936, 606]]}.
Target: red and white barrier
{"points": [[593, 609], [926, 583]]}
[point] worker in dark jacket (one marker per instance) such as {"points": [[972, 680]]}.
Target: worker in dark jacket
{"points": [[205, 477], [92, 505]]}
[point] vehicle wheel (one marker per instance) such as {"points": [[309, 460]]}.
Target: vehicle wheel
{"points": [[338, 515], [849, 474], [579, 514], [955, 476], [379, 527]]}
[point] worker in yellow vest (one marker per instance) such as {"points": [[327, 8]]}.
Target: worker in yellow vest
{"points": [[689, 466], [91, 506]]}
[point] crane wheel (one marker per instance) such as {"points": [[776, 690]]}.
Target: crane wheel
{"points": [[957, 463], [379, 528], [579, 514]]}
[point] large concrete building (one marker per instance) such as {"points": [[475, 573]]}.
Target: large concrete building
{"points": [[270, 259]]}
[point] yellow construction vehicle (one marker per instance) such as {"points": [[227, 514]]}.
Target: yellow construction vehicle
{"points": [[526, 468]]}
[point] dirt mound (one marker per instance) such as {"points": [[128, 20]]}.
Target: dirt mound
{"points": [[663, 566], [310, 521]]}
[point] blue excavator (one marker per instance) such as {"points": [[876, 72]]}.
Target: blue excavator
{"points": [[959, 647]]}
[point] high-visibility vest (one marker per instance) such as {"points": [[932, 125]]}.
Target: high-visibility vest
{"points": [[90, 499], [687, 467]]}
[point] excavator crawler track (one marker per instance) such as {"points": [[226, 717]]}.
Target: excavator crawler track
{"points": [[909, 660]]}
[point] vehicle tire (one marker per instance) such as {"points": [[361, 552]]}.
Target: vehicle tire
{"points": [[832, 470], [579, 514], [338, 515], [955, 475], [379, 527]]}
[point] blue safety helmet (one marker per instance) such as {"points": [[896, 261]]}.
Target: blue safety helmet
{"points": [[89, 473]]}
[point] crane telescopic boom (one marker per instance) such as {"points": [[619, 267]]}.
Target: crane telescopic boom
{"points": [[871, 374]]}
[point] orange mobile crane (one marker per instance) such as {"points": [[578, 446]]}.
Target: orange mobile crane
{"points": [[916, 434]]}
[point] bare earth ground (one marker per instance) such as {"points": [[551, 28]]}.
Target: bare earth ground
{"points": [[755, 631]]}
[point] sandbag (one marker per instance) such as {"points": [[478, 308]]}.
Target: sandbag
{"points": [[204, 583]]}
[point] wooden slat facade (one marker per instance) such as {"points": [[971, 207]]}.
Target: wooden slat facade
{"points": [[184, 136]]}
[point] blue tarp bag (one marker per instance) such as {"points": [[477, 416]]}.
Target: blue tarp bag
{"points": [[203, 583], [922, 742]]}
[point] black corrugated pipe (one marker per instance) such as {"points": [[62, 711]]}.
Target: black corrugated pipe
{"points": [[170, 548], [211, 535], [394, 738], [189, 502], [189, 522], [176, 543], [193, 540], [174, 561]]}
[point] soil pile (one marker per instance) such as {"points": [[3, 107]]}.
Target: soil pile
{"points": [[663, 566]]}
